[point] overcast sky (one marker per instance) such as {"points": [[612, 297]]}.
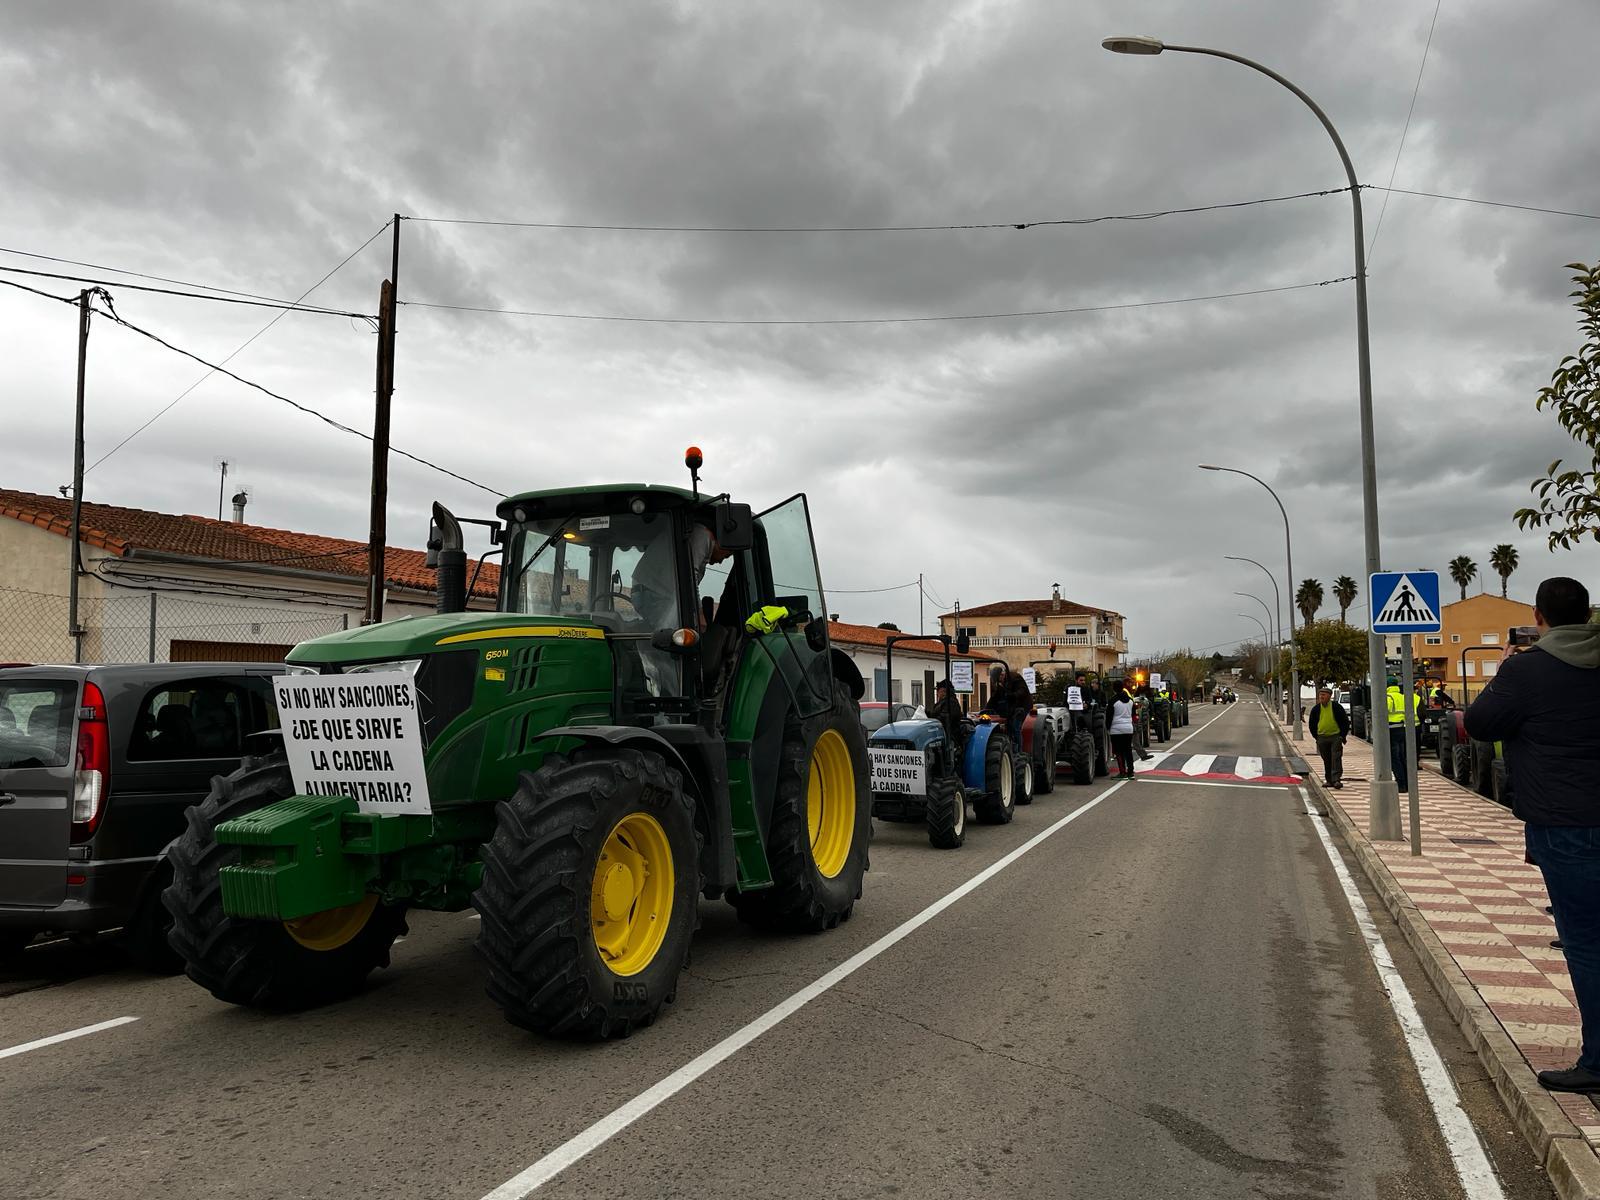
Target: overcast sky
{"points": [[253, 146]]}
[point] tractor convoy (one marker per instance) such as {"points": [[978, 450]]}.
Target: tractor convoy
{"points": [[652, 714]]}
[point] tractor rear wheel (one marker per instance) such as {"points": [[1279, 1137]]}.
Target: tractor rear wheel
{"points": [[1446, 743], [590, 894], [946, 812], [1044, 763], [1483, 769], [284, 965], [1461, 763], [821, 824], [1025, 777], [1081, 755], [998, 804]]}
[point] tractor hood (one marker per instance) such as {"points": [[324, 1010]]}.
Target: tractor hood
{"points": [[411, 637], [917, 732]]}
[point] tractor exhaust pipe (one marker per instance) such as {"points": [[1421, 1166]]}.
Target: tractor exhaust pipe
{"points": [[449, 553]]}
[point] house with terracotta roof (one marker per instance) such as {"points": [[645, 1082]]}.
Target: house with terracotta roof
{"points": [[1086, 636], [164, 587], [918, 665]]}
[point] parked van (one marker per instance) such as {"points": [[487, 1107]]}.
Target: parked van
{"points": [[97, 765]]}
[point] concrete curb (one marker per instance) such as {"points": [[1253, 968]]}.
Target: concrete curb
{"points": [[1569, 1161]]}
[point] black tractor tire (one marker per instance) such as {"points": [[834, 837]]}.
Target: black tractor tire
{"points": [[998, 804], [1102, 745], [1044, 764], [1025, 777], [1483, 768], [257, 963], [1081, 755], [1446, 744], [146, 939], [1461, 763], [1500, 783], [946, 808], [546, 971], [802, 899]]}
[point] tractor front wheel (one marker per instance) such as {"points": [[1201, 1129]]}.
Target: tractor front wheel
{"points": [[821, 823], [590, 894], [998, 804], [946, 812], [286, 965], [1025, 777], [1081, 756], [1044, 763]]}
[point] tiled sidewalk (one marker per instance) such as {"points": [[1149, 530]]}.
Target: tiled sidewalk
{"points": [[1486, 905]]}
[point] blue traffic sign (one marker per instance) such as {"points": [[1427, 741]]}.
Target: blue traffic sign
{"points": [[1404, 601]]}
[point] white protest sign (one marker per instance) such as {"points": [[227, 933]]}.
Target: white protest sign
{"points": [[356, 736], [1031, 678], [899, 772], [961, 674], [1075, 699], [1155, 681]]}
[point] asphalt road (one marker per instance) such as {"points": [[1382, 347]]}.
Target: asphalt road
{"points": [[1165, 997]]}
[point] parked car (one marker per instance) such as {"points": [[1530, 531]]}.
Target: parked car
{"points": [[875, 714], [97, 766]]}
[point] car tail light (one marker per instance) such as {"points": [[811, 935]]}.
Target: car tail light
{"points": [[91, 781]]}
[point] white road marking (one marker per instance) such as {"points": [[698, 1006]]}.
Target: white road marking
{"points": [[1247, 767], [579, 1146], [1149, 764], [1241, 785], [1477, 1177], [65, 1037], [1199, 764]]}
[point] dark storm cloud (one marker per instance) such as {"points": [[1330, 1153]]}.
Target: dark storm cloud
{"points": [[256, 145]]}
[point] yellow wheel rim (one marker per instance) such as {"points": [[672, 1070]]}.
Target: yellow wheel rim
{"points": [[630, 902], [831, 803], [331, 929]]}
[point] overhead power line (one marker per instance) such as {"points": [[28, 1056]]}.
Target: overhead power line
{"points": [[1554, 212], [111, 313], [898, 587], [1013, 225], [22, 287], [1399, 149], [238, 350], [233, 298], [985, 316]]}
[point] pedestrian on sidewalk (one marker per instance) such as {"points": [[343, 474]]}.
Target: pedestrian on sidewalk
{"points": [[1329, 724], [1396, 702], [1544, 705], [1120, 728]]}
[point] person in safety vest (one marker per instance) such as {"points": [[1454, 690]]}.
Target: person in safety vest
{"points": [[1397, 733]]}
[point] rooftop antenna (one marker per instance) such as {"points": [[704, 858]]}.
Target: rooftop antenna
{"points": [[692, 458]]}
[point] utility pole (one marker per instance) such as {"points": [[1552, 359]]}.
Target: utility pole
{"points": [[378, 531], [75, 630], [222, 487], [921, 622]]}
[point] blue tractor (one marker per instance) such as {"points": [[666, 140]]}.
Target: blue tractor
{"points": [[919, 775]]}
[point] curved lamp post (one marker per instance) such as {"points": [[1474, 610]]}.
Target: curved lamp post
{"points": [[1272, 663], [1288, 553], [1277, 609], [1383, 805], [1252, 617]]}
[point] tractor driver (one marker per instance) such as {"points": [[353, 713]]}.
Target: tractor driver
{"points": [[654, 595], [947, 711]]}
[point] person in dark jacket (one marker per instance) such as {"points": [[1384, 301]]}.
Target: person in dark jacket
{"points": [[1544, 705], [947, 711], [1329, 724], [1010, 699]]}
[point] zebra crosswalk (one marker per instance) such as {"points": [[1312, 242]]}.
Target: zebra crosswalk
{"points": [[1222, 768]]}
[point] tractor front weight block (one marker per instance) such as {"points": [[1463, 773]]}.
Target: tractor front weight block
{"points": [[293, 860]]}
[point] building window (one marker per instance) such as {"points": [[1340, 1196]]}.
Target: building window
{"points": [[1076, 631], [1013, 629], [1455, 637], [1489, 668], [970, 630], [916, 691], [1490, 639], [1433, 639], [895, 688]]}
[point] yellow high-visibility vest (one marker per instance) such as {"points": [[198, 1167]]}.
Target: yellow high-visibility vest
{"points": [[1397, 707]]}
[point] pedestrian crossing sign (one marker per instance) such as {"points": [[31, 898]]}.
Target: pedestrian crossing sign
{"points": [[1404, 601]]}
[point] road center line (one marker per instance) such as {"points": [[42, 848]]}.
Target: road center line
{"points": [[1472, 1165], [65, 1037], [603, 1130]]}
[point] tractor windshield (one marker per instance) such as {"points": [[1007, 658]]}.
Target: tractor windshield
{"points": [[619, 569]]}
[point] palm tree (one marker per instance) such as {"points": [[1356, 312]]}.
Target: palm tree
{"points": [[1503, 558], [1308, 599], [1463, 570], [1344, 591]]}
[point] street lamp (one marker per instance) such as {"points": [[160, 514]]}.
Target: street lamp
{"points": [[1273, 662], [1252, 617], [1383, 804], [1288, 553], [1277, 608]]}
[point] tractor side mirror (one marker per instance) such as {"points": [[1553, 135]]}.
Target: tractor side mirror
{"points": [[963, 642], [735, 526]]}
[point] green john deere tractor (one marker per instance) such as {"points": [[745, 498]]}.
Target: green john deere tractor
{"points": [[653, 714]]}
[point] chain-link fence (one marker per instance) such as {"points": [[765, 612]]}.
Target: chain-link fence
{"points": [[156, 626]]}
